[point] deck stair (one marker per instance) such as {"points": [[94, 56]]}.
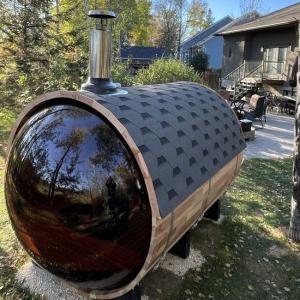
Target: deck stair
{"points": [[245, 78], [250, 75]]}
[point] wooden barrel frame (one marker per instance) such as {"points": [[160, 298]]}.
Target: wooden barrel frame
{"points": [[165, 231]]}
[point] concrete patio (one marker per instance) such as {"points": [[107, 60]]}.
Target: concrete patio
{"points": [[273, 141]]}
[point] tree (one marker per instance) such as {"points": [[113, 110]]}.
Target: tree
{"points": [[199, 16], [209, 19], [181, 8], [179, 19], [131, 25], [199, 61], [294, 232], [168, 26], [44, 44], [24, 41], [140, 33], [248, 6]]}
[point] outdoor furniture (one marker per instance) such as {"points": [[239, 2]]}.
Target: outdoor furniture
{"points": [[237, 106], [289, 104], [248, 131], [273, 103], [257, 112], [246, 125], [256, 109]]}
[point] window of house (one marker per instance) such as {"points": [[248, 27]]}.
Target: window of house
{"points": [[229, 52], [274, 60]]}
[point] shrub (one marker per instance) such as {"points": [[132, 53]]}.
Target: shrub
{"points": [[7, 118], [121, 74], [199, 61], [166, 70]]}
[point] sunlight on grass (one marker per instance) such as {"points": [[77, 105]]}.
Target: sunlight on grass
{"points": [[249, 252]]}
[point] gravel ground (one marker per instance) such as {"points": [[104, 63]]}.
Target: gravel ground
{"points": [[50, 287], [180, 266], [45, 284]]}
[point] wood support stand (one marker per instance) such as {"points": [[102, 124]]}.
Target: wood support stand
{"points": [[183, 247], [214, 212]]}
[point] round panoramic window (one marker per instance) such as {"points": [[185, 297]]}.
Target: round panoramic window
{"points": [[77, 199]]}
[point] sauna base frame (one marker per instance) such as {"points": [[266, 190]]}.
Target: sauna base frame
{"points": [[214, 212], [182, 248]]}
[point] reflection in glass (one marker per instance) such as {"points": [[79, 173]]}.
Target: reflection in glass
{"points": [[76, 199]]}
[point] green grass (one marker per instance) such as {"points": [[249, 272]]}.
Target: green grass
{"points": [[11, 254], [7, 118], [248, 256]]}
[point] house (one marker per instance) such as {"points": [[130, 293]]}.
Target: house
{"points": [[262, 52], [140, 57], [208, 42]]}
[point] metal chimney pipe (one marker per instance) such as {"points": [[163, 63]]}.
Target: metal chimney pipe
{"points": [[99, 81], [100, 52]]}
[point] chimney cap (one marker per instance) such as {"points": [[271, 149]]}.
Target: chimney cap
{"points": [[102, 14]]}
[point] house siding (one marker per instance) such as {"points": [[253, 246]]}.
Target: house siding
{"points": [[214, 49], [213, 45], [234, 48], [266, 39], [247, 46]]}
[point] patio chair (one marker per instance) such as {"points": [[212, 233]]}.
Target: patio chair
{"points": [[237, 106], [256, 109], [258, 112]]}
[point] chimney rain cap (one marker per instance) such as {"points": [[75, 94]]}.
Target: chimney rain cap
{"points": [[102, 14]]}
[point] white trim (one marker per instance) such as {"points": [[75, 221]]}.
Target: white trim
{"points": [[258, 27]]}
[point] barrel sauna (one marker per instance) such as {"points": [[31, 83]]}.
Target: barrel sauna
{"points": [[99, 187], [101, 182]]}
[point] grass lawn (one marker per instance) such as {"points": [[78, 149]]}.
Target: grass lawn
{"points": [[248, 256]]}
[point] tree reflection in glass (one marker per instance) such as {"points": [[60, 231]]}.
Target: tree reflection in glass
{"points": [[76, 199]]}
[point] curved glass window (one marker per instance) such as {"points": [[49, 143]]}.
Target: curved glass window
{"points": [[76, 198]]}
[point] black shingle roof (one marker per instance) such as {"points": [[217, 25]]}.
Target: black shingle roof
{"points": [[136, 52], [185, 139]]}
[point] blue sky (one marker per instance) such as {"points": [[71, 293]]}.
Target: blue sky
{"points": [[221, 8]]}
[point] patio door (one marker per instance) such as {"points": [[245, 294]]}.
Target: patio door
{"points": [[274, 61]]}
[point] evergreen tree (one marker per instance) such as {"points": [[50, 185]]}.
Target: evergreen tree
{"points": [[24, 40]]}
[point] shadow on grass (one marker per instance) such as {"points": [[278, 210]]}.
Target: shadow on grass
{"points": [[10, 289], [248, 256], [243, 262]]}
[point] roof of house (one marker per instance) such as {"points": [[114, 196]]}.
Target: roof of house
{"points": [[202, 36], [284, 16], [246, 18], [136, 52]]}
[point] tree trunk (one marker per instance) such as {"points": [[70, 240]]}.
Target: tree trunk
{"points": [[294, 233], [295, 201], [180, 3]]}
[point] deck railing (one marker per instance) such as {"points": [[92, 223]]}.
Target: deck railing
{"points": [[274, 70], [261, 70]]}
